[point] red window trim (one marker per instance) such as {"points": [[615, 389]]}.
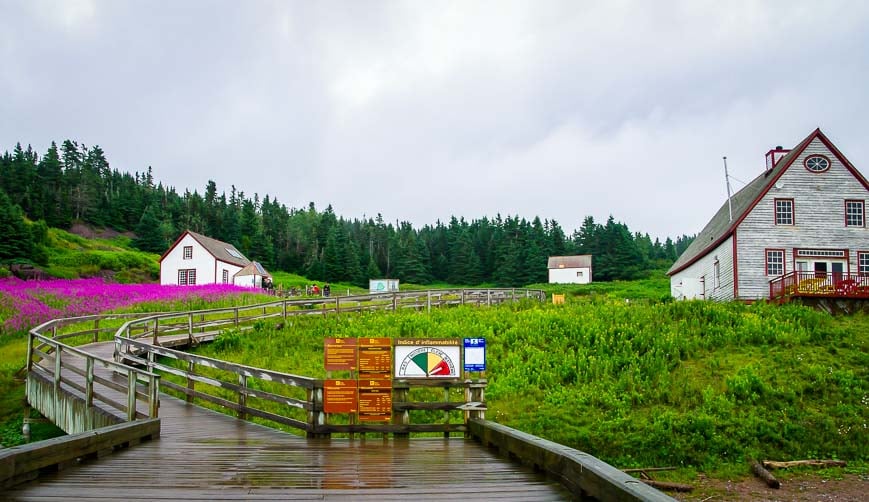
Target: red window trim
{"points": [[806, 163], [858, 261], [775, 212], [863, 204], [784, 268]]}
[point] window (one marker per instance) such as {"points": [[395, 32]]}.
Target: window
{"points": [[817, 163], [775, 261], [579, 273], [187, 277], [863, 264], [853, 213], [716, 275], [188, 252], [784, 211], [232, 252], [225, 276]]}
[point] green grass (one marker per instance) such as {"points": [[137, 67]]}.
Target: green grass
{"points": [[71, 256], [699, 385]]}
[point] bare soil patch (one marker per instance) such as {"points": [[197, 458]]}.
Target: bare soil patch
{"points": [[799, 487]]}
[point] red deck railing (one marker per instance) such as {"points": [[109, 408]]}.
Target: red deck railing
{"points": [[822, 284]]}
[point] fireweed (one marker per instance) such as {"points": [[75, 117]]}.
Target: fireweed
{"points": [[25, 304]]}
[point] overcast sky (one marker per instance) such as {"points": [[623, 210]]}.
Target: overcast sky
{"points": [[426, 109]]}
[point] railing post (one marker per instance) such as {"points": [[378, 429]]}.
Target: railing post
{"points": [[463, 296], [513, 295], [154, 396], [190, 329], [131, 395], [30, 339], [89, 382], [190, 382], [316, 416], [57, 367], [402, 417], [156, 330], [428, 301], [242, 396], [337, 305], [96, 330], [284, 304], [236, 317], [488, 297], [394, 302]]}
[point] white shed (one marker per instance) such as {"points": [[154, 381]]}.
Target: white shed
{"points": [[570, 269], [251, 276], [197, 259]]}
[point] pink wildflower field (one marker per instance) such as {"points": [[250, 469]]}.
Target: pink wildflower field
{"points": [[25, 304]]}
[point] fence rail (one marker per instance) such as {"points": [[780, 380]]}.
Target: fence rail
{"points": [[819, 284], [56, 369], [65, 386], [293, 400]]}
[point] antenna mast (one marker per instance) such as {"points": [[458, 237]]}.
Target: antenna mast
{"points": [[727, 181]]}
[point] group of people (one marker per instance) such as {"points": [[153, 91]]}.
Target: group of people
{"points": [[314, 290]]}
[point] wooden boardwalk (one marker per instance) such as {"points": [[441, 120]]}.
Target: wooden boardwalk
{"points": [[205, 455]]}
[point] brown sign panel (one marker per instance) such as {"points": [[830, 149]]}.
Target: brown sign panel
{"points": [[339, 396], [340, 354], [375, 357], [375, 400]]}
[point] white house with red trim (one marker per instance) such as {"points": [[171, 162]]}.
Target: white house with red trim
{"points": [[798, 228], [197, 259]]}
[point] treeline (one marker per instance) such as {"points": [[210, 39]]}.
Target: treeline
{"points": [[74, 183]]}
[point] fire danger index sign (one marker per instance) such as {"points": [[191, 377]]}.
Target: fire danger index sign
{"points": [[422, 358]]}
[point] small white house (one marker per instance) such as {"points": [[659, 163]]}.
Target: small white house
{"points": [[382, 285], [251, 276], [570, 269], [197, 259]]}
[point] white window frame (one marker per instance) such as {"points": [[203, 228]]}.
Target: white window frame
{"points": [[775, 262], [784, 212], [855, 209]]}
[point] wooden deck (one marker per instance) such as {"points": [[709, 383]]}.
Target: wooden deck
{"points": [[205, 455]]}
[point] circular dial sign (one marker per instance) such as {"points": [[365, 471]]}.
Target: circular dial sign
{"points": [[427, 362]]}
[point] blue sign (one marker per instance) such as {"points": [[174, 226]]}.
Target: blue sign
{"points": [[475, 354]]}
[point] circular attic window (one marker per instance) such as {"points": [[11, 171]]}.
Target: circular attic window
{"points": [[817, 163]]}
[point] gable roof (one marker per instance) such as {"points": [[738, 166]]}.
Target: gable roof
{"points": [[577, 261], [220, 250], [253, 268], [720, 227]]}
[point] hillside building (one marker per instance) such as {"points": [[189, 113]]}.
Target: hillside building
{"points": [[797, 229], [570, 269], [197, 259]]}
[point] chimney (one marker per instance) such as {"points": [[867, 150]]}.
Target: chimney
{"points": [[773, 156]]}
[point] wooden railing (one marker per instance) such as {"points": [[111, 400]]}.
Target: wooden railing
{"points": [[819, 284], [292, 400], [62, 382]]}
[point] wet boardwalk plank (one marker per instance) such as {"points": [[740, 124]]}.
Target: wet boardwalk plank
{"points": [[205, 455]]}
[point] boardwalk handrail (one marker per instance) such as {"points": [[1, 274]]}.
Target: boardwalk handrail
{"points": [[583, 474], [46, 359], [166, 330]]}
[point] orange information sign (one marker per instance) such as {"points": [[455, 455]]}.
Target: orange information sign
{"points": [[375, 357], [375, 400], [339, 396], [340, 354]]}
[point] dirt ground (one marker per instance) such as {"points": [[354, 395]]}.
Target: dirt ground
{"points": [[800, 487]]}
